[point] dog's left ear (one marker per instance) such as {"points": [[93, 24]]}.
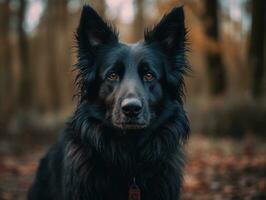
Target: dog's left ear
{"points": [[169, 33], [169, 36]]}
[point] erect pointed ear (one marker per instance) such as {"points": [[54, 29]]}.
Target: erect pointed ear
{"points": [[169, 33], [93, 31]]}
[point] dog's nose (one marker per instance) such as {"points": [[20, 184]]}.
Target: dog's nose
{"points": [[131, 106]]}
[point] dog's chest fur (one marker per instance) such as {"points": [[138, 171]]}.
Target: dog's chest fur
{"points": [[101, 178]]}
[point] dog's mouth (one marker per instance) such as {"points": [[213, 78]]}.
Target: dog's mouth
{"points": [[131, 126], [124, 122]]}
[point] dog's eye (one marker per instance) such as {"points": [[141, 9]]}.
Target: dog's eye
{"points": [[113, 76], [148, 76]]}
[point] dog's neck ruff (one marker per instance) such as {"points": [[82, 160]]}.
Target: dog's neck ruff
{"points": [[163, 139]]}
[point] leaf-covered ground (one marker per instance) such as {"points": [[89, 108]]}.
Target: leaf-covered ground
{"points": [[217, 169]]}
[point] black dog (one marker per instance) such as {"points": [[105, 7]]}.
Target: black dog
{"points": [[125, 138]]}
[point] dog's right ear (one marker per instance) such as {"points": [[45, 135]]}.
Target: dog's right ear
{"points": [[170, 33], [93, 31]]}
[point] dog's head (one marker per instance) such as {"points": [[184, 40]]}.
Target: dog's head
{"points": [[131, 85]]}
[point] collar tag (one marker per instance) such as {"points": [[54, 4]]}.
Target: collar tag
{"points": [[134, 191]]}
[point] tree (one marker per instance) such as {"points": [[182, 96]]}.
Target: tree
{"points": [[139, 20], [256, 58], [6, 84], [215, 67], [56, 25], [100, 6], [25, 87]]}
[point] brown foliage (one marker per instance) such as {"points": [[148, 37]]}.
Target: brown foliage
{"points": [[216, 169]]}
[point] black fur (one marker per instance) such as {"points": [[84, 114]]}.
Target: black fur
{"points": [[102, 148]]}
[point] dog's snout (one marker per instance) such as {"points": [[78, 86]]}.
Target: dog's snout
{"points": [[131, 106]]}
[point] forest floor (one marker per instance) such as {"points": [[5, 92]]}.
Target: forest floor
{"points": [[217, 169]]}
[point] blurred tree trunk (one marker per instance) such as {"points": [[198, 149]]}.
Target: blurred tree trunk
{"points": [[58, 54], [257, 46], [215, 67], [100, 6], [25, 87], [64, 56], [53, 74], [139, 21], [6, 85]]}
